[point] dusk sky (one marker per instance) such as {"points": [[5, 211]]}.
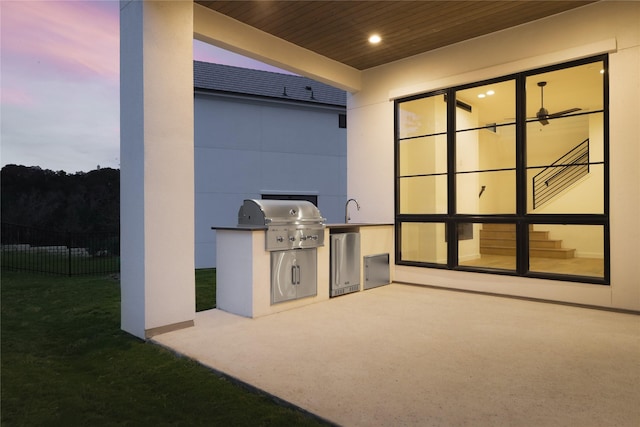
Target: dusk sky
{"points": [[59, 83]]}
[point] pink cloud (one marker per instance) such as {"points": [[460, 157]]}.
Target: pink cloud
{"points": [[16, 96], [73, 38]]}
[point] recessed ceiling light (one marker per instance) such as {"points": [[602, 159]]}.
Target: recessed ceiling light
{"points": [[481, 95], [375, 39], [490, 92]]}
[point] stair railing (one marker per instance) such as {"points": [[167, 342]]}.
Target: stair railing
{"points": [[561, 174]]}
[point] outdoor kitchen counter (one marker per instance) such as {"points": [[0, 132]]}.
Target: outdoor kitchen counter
{"points": [[243, 273], [243, 266]]}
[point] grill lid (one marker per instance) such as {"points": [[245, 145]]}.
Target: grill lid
{"points": [[271, 212]]}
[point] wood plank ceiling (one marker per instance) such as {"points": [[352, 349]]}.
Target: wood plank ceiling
{"points": [[339, 29]]}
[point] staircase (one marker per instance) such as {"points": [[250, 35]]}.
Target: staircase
{"points": [[500, 239], [561, 174]]}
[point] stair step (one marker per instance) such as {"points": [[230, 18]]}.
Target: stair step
{"points": [[499, 227], [538, 235], [497, 243], [497, 234], [545, 244], [534, 235], [500, 239], [497, 250], [559, 253], [562, 253], [506, 234], [511, 243]]}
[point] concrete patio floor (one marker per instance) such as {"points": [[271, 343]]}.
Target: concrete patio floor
{"points": [[403, 355]]}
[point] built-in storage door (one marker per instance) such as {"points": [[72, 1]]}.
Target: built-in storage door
{"points": [[293, 274], [307, 273]]}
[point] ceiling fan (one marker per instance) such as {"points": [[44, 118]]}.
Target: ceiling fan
{"points": [[543, 115]]}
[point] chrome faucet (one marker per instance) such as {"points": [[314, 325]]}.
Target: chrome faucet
{"points": [[346, 209]]}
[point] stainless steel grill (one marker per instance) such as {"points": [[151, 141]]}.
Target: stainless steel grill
{"points": [[289, 224]]}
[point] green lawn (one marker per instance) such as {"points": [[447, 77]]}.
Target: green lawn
{"points": [[65, 362]]}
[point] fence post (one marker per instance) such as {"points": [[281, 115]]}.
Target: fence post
{"points": [[69, 252]]}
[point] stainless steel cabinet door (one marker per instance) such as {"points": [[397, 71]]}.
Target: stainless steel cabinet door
{"points": [[293, 274]]}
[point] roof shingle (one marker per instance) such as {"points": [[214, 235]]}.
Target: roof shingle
{"points": [[229, 79]]}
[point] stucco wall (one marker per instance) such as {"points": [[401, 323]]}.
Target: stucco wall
{"points": [[593, 29], [244, 148]]}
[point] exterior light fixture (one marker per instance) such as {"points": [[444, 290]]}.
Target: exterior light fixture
{"points": [[375, 39], [309, 88]]}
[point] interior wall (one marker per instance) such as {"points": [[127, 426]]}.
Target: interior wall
{"points": [[593, 29], [497, 151]]}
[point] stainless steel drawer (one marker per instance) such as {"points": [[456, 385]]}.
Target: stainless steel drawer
{"points": [[376, 271]]}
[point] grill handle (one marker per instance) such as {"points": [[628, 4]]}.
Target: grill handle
{"points": [[337, 260]]}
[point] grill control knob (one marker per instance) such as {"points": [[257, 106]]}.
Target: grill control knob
{"points": [[314, 237], [280, 239], [292, 238], [303, 238]]}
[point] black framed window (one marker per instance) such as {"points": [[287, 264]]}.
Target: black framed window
{"points": [[508, 175]]}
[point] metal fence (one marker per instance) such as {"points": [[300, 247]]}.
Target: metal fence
{"points": [[45, 251]]}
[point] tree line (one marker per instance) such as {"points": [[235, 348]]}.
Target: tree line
{"points": [[82, 202]]}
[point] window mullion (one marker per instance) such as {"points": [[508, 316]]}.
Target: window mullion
{"points": [[452, 235], [522, 227]]}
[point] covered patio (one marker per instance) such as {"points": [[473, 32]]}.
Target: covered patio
{"points": [[448, 352], [408, 355], [157, 118]]}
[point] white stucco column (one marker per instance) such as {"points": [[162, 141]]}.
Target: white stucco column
{"points": [[156, 155]]}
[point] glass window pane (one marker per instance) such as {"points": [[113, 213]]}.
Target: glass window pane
{"points": [[424, 116], [491, 104], [548, 144], [567, 189], [565, 137], [490, 148], [487, 245], [423, 195], [576, 250], [422, 156], [566, 89], [486, 192], [423, 242], [565, 171]]}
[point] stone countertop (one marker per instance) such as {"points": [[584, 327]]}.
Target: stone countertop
{"points": [[243, 228], [355, 225], [331, 226]]}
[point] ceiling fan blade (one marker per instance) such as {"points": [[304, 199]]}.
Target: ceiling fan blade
{"points": [[562, 113], [543, 121]]}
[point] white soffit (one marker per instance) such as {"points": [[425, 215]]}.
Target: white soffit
{"points": [[222, 31], [565, 55]]}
